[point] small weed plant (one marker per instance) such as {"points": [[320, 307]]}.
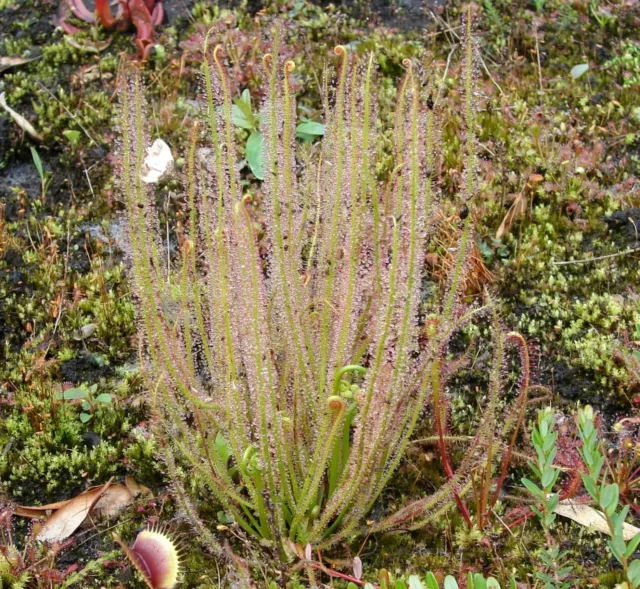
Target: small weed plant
{"points": [[606, 496], [90, 402], [429, 581], [474, 581], [544, 439]]}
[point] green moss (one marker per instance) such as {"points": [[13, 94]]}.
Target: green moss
{"points": [[46, 441], [626, 65]]}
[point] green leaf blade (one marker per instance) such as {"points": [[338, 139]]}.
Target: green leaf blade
{"points": [[253, 153]]}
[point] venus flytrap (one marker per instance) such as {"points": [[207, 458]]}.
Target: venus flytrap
{"points": [[606, 496], [544, 439]]}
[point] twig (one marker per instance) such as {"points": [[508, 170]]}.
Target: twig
{"points": [[485, 148], [486, 69], [7, 447], [452, 32], [535, 32], [598, 258], [64, 282], [86, 173], [436, 33], [68, 112], [444, 76]]}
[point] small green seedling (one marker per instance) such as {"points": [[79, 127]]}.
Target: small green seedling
{"points": [[45, 177], [90, 402], [579, 70], [309, 130], [72, 136], [244, 117]]}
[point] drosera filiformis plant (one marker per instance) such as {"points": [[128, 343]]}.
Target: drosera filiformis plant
{"points": [[282, 342]]}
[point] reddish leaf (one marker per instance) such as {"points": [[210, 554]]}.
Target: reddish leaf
{"points": [[80, 10], [104, 13], [157, 14], [141, 18]]}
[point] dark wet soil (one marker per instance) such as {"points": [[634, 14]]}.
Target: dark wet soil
{"points": [[84, 368], [571, 385], [18, 175], [402, 14], [626, 224]]}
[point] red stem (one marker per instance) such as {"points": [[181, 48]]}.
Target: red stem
{"points": [[521, 345], [438, 405], [103, 10], [333, 573]]}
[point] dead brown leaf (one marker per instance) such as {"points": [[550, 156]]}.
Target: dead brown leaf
{"points": [[88, 46], [591, 518], [519, 206], [91, 73], [534, 180], [113, 501], [517, 209], [137, 489], [25, 125], [7, 62], [64, 517], [68, 518], [38, 510]]}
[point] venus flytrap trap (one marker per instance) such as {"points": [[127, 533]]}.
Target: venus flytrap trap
{"points": [[606, 496], [156, 556], [284, 348], [544, 439]]}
